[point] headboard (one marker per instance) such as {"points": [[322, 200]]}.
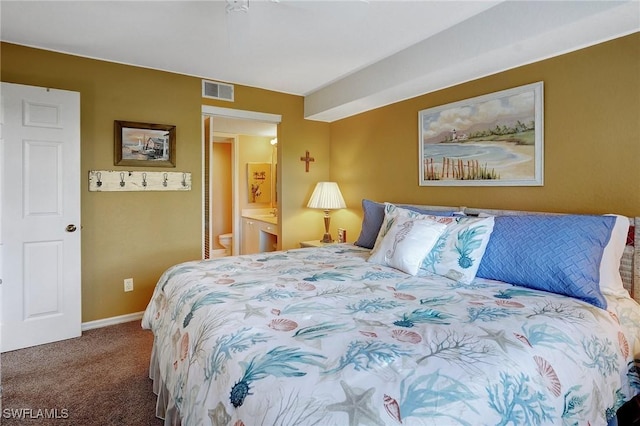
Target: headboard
{"points": [[629, 265]]}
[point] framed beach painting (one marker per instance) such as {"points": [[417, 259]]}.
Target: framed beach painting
{"points": [[489, 140], [144, 144]]}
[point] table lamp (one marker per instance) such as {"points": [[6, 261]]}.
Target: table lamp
{"points": [[326, 196]]}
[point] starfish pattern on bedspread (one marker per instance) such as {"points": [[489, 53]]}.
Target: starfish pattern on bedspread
{"points": [[498, 337], [357, 406], [250, 311]]}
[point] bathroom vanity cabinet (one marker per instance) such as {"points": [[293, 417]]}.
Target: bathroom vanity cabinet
{"points": [[258, 236]]}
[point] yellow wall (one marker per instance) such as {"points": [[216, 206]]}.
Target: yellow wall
{"points": [[140, 234], [592, 147], [591, 141]]}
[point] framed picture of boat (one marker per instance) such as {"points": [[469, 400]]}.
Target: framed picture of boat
{"points": [[144, 144], [489, 140]]}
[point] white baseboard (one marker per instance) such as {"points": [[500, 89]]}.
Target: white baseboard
{"points": [[90, 325]]}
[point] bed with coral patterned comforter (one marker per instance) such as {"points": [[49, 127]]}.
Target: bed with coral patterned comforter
{"points": [[321, 336]]}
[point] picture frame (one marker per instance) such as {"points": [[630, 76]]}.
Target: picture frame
{"points": [[491, 140], [144, 144], [259, 182]]}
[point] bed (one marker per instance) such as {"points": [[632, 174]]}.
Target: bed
{"points": [[434, 316]]}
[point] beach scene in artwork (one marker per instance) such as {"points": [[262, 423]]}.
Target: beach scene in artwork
{"points": [[145, 144], [490, 139]]}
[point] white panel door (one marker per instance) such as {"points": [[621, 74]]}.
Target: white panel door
{"points": [[40, 216]]}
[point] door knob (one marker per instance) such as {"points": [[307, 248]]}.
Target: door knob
{"points": [[70, 228]]}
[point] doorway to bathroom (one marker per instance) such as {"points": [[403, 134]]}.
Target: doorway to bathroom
{"points": [[232, 141]]}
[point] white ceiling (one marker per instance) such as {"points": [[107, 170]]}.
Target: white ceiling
{"points": [[344, 57]]}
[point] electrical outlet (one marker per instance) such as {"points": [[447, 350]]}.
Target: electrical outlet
{"points": [[128, 284]]}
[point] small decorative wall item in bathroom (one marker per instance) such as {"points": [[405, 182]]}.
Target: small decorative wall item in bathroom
{"points": [[124, 181], [144, 144], [259, 182], [490, 140]]}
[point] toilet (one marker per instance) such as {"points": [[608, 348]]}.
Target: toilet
{"points": [[225, 241]]}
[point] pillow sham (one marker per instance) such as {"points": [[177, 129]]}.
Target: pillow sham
{"points": [[610, 279], [373, 215], [459, 250], [406, 243], [559, 254]]}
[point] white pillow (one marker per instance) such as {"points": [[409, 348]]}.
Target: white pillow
{"points": [[610, 279], [406, 243], [393, 212]]}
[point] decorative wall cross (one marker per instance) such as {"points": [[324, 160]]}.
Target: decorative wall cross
{"points": [[307, 160]]}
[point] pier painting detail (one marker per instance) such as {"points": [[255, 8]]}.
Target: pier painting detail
{"points": [[144, 144], [490, 140]]}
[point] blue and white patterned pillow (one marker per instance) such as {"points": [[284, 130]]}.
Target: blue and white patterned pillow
{"points": [[560, 254], [407, 243], [459, 251]]}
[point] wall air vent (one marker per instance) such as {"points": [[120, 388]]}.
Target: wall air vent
{"points": [[217, 90]]}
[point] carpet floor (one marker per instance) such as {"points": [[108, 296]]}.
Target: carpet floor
{"points": [[101, 378]]}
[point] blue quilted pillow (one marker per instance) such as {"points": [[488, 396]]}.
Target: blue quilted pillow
{"points": [[560, 254], [374, 215]]}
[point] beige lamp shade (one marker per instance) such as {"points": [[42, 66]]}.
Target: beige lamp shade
{"points": [[326, 196]]}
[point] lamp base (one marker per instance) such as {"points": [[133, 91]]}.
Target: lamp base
{"points": [[327, 236], [326, 239]]}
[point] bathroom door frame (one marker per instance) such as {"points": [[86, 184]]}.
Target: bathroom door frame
{"points": [[211, 111]]}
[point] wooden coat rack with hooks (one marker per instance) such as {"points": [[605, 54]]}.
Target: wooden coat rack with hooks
{"points": [[124, 180]]}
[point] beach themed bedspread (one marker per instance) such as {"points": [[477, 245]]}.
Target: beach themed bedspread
{"points": [[319, 336]]}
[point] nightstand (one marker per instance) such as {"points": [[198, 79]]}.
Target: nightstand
{"points": [[315, 243]]}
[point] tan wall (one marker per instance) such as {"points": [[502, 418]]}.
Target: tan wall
{"points": [[592, 147], [591, 141], [140, 234], [222, 194]]}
